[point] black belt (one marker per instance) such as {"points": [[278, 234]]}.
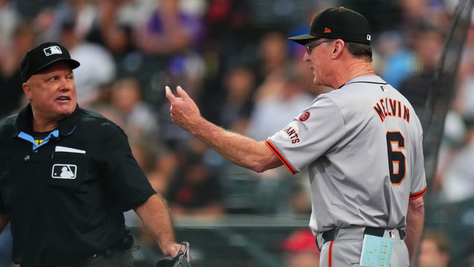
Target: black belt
{"points": [[93, 258], [123, 245], [332, 234]]}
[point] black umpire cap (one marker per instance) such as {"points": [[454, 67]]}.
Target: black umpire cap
{"points": [[42, 56], [337, 23]]}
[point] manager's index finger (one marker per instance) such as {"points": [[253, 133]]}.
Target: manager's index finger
{"points": [[169, 94]]}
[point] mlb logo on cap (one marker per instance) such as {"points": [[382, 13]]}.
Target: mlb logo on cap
{"points": [[48, 51], [42, 56]]}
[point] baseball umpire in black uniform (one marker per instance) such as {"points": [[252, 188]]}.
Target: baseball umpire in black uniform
{"points": [[68, 174]]}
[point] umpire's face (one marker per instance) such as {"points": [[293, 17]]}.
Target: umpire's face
{"points": [[52, 92]]}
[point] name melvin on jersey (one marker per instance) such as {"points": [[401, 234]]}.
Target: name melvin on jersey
{"points": [[393, 108]]}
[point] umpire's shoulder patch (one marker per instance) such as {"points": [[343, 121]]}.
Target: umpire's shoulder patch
{"points": [[304, 116]]}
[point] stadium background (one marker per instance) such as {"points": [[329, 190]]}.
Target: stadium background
{"points": [[232, 56]]}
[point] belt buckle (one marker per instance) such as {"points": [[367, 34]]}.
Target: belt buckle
{"points": [[391, 234]]}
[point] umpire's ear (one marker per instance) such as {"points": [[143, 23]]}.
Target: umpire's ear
{"points": [[27, 90]]}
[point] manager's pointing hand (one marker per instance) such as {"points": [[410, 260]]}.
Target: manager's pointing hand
{"points": [[184, 112]]}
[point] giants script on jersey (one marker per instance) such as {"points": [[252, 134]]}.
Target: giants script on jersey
{"points": [[392, 108], [292, 134]]}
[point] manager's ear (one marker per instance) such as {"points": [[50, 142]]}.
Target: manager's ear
{"points": [[338, 47]]}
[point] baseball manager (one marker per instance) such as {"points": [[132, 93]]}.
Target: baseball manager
{"points": [[362, 145], [68, 174]]}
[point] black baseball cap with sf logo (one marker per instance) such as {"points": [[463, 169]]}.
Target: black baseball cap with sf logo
{"points": [[42, 56], [337, 23]]}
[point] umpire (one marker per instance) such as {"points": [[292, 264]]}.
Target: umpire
{"points": [[68, 174]]}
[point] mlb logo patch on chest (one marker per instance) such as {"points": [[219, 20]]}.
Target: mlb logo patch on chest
{"points": [[64, 171]]}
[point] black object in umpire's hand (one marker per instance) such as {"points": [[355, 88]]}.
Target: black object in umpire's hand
{"points": [[182, 260]]}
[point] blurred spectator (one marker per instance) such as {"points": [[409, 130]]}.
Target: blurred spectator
{"points": [[104, 26], [416, 40], [120, 42], [169, 40], [301, 250], [159, 167], [49, 21], [82, 12], [453, 142], [457, 181], [139, 120], [276, 105], [169, 30], [164, 167], [417, 12], [122, 46], [29, 9], [300, 198], [9, 19], [97, 65], [464, 97], [134, 12], [427, 45], [238, 104], [273, 60], [233, 105], [229, 42], [11, 92], [230, 33], [400, 59], [228, 18], [435, 250], [273, 86], [458, 132], [195, 189], [117, 35], [47, 25]]}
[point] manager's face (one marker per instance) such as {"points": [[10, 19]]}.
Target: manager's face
{"points": [[318, 55], [52, 92]]}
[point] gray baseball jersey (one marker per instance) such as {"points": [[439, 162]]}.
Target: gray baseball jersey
{"points": [[362, 144]]}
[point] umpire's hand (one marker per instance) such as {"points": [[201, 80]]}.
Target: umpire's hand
{"points": [[184, 112], [171, 249]]}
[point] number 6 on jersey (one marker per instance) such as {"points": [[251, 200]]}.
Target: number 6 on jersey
{"points": [[396, 158]]}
